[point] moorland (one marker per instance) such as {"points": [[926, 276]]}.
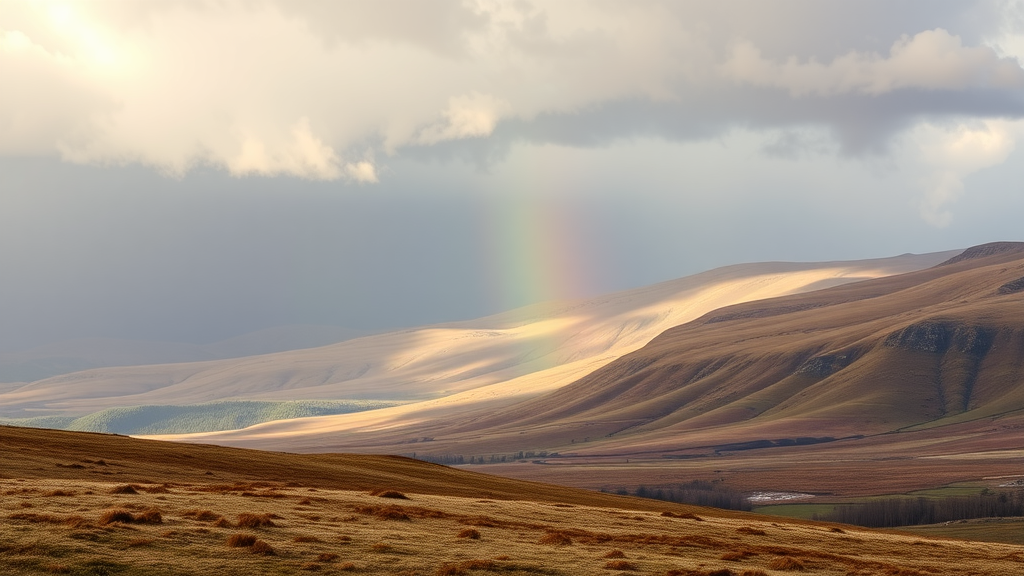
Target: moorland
{"points": [[85, 503], [812, 391]]}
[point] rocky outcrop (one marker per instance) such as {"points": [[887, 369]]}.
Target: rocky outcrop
{"points": [[822, 366], [939, 337], [1012, 286]]}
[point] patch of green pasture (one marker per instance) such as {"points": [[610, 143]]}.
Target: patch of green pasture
{"points": [[1005, 530], [802, 511]]}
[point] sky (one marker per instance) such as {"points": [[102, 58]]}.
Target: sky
{"points": [[188, 171]]}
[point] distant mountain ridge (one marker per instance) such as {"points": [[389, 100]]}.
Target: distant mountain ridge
{"points": [[449, 368], [937, 347]]}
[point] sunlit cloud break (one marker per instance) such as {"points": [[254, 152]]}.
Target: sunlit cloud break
{"points": [[321, 91]]}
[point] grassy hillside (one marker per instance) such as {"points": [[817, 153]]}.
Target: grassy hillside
{"points": [[513, 355], [79, 503]]}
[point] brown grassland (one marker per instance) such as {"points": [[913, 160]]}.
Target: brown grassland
{"points": [[211, 510]]}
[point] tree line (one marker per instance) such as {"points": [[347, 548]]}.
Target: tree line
{"points": [[901, 511], [698, 492], [457, 459]]}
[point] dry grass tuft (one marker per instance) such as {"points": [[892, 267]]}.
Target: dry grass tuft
{"points": [[77, 522], [151, 516], [555, 539], [255, 521], [837, 530], [750, 531], [301, 539], [615, 554], [470, 533], [201, 515], [327, 557], [59, 493], [222, 522], [305, 502], [311, 567], [116, 515], [57, 568], [786, 563], [347, 567], [124, 489], [385, 512], [684, 515], [754, 573], [620, 565], [241, 540], [140, 542], [389, 494], [381, 547], [262, 548], [69, 521], [156, 489]]}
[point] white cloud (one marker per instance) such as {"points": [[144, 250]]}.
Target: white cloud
{"points": [[318, 90], [932, 60], [469, 116], [303, 155], [943, 156]]}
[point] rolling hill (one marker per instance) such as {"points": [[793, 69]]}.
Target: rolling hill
{"points": [[452, 368], [920, 366]]}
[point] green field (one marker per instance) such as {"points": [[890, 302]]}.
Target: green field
{"points": [[1006, 530]]}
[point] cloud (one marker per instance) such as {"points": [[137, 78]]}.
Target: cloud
{"points": [[948, 154], [319, 90], [931, 60], [470, 116]]}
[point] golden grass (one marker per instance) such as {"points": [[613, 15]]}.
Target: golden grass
{"points": [[389, 494], [116, 515], [241, 540], [555, 539], [247, 520], [124, 489], [786, 563], [202, 515], [470, 533], [346, 535], [684, 515], [262, 548], [615, 554]]}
